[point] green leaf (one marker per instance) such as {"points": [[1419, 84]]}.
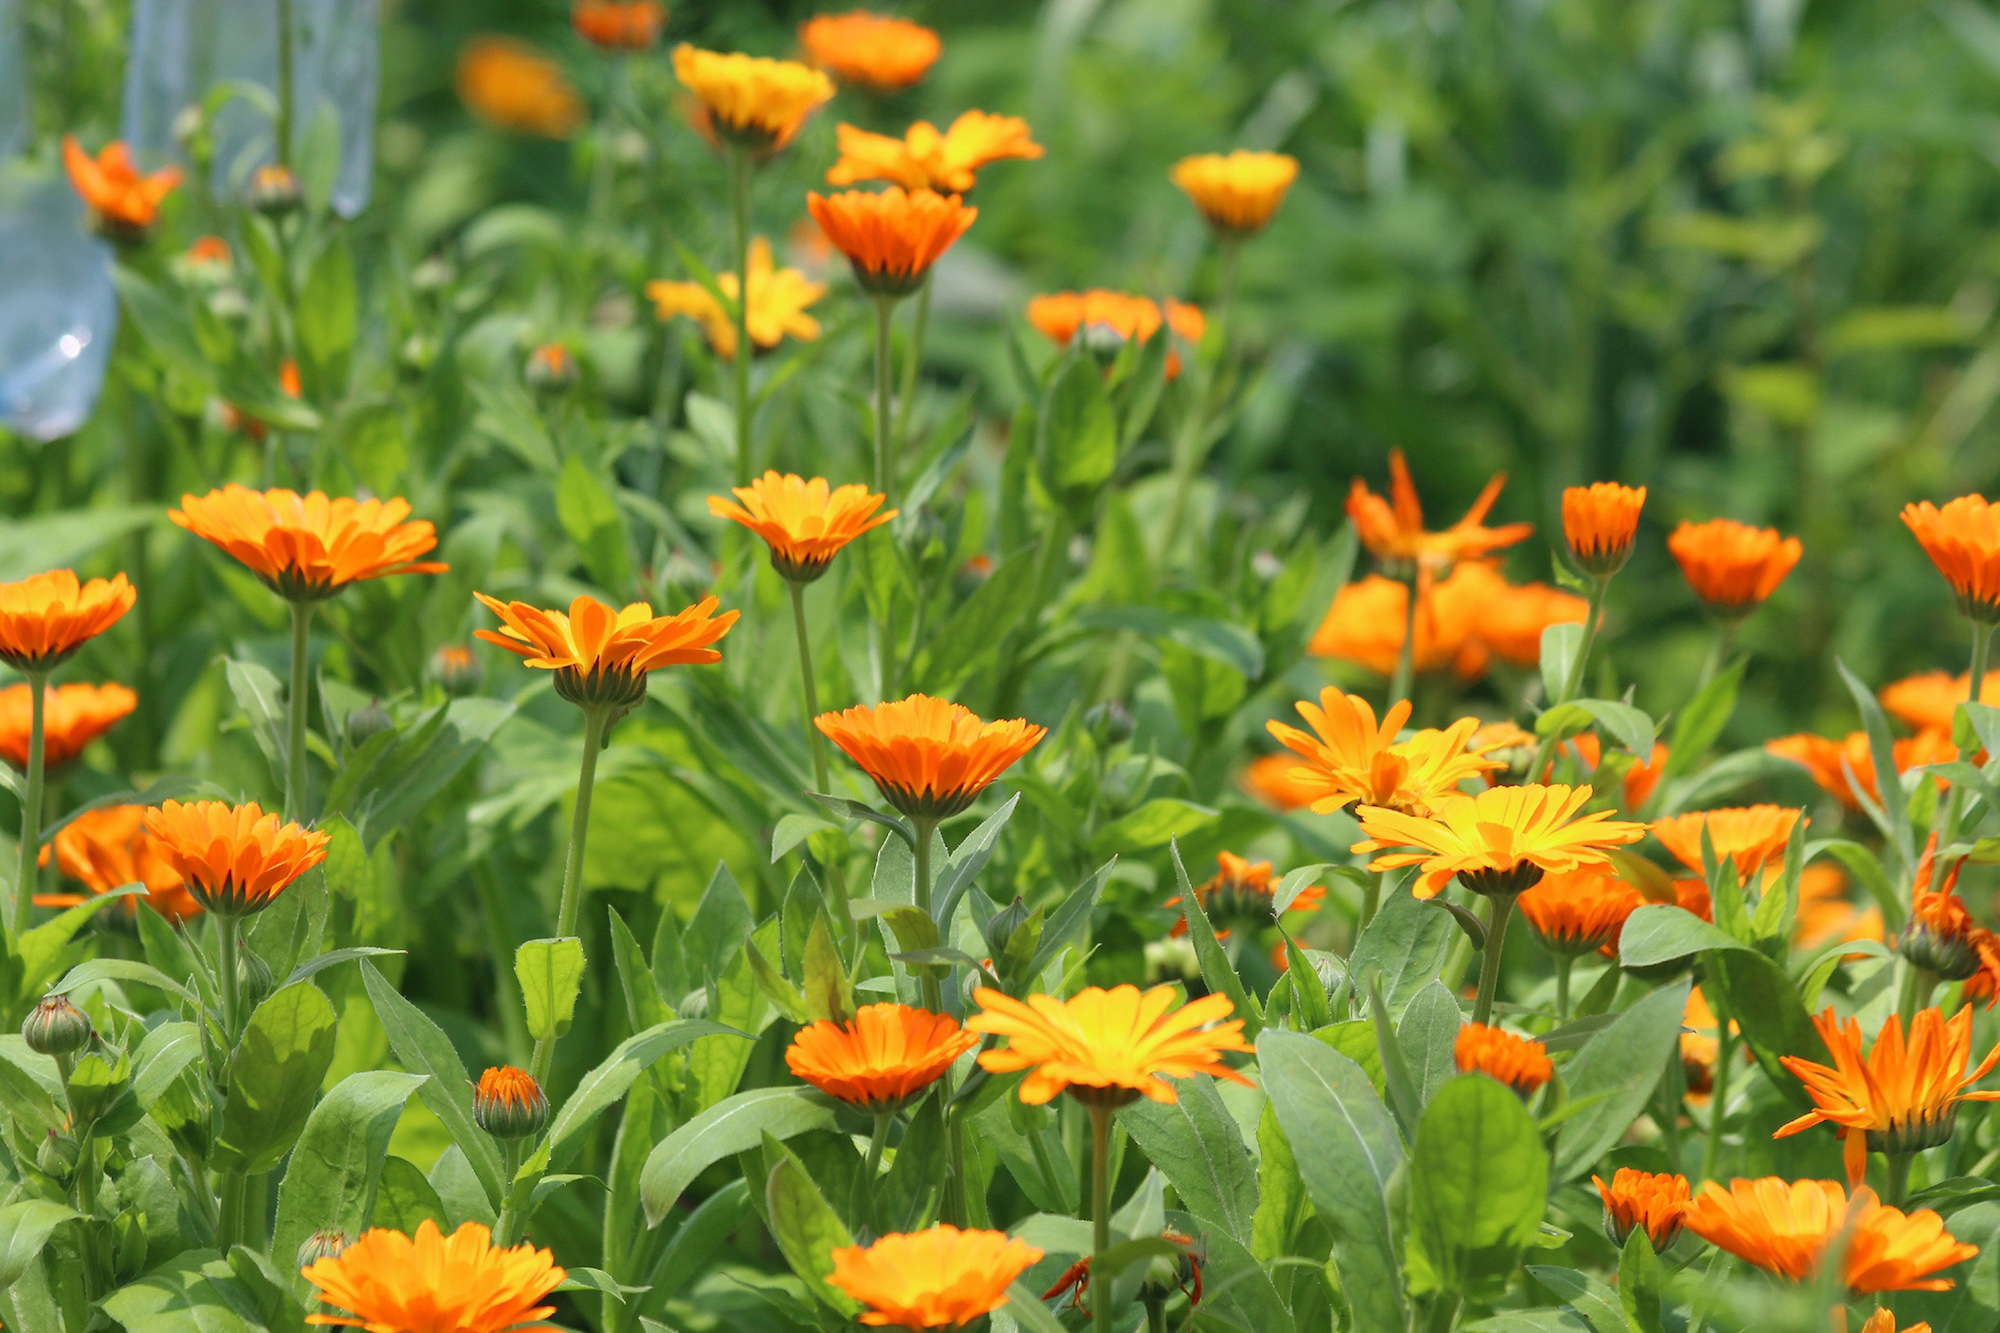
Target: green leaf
{"points": [[1595, 1303], [1532, 1321], [1621, 1065], [1220, 641], [551, 974], [262, 700], [1560, 645], [125, 971], [1700, 724], [274, 1077], [1478, 1186], [1624, 723], [39, 953], [25, 1227], [735, 1124], [1008, 597], [1895, 814], [422, 1048], [721, 923], [332, 1177], [1216, 969], [782, 993], [1756, 993], [1405, 945], [1640, 1283], [1153, 824], [1076, 449], [328, 317], [403, 1199], [602, 1087], [380, 789], [1347, 1149], [168, 331], [1660, 933], [829, 991], [591, 517], [1201, 1152], [805, 1226], [194, 1292], [1428, 1035]]}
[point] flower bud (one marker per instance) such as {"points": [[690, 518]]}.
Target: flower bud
{"points": [[456, 670], [326, 1243], [57, 1156], [1949, 955], [551, 369], [371, 719], [254, 979], [274, 191], [693, 1005], [1110, 723], [1002, 927], [509, 1104], [56, 1027]]}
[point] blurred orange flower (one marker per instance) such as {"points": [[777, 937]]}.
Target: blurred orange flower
{"points": [[1108, 320], [1393, 529], [940, 1278], [1827, 916], [1732, 566], [619, 25], [750, 100], [1753, 836], [308, 547], [1599, 523], [1237, 192], [1269, 777], [1513, 616], [948, 162], [1929, 701], [124, 201], [1963, 541], [1640, 779], [875, 51], [73, 716], [511, 86], [805, 523], [1244, 892], [778, 301], [930, 758], [1824, 760], [1365, 623], [45, 618], [108, 848], [891, 239], [1521, 1064], [1784, 1227]]}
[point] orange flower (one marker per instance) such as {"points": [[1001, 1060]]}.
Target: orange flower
{"points": [[1501, 841], [1521, 1064], [875, 51], [1942, 938], [1107, 1047], [1274, 779], [601, 656], [1884, 1321], [749, 100], [881, 1061], [1825, 914], [1753, 836], [1929, 701], [1393, 529], [930, 758], [108, 848], [1579, 911], [778, 301], [1599, 523], [1700, 1046], [123, 202], [307, 547], [509, 1103], [1824, 759], [512, 86], [1237, 192], [45, 618], [925, 158], [1784, 1227], [940, 1278], [1640, 779], [805, 523], [1636, 1199], [1512, 618], [1109, 320], [234, 858], [73, 717], [1731, 566], [1243, 891], [1900, 1097], [619, 25], [462, 1283], [891, 239], [1352, 759], [1963, 541], [210, 250], [1365, 623]]}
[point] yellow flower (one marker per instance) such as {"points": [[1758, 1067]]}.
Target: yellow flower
{"points": [[1108, 1048], [750, 100], [778, 301], [924, 158], [1352, 759], [1501, 841], [1237, 192], [805, 523]]}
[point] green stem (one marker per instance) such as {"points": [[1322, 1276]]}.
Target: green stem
{"points": [[1156, 1317], [1406, 656], [885, 308], [1718, 1105], [925, 829], [225, 930], [863, 1207], [740, 169], [913, 364], [957, 1195], [808, 685], [500, 942], [1915, 993], [1100, 1209], [1573, 678], [1193, 443], [506, 1230], [596, 718], [1896, 1185], [1371, 901], [295, 713], [1564, 962], [1719, 650], [1954, 809], [286, 95], [31, 804], [1502, 908], [234, 1197]]}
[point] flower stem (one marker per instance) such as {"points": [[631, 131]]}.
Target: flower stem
{"points": [[740, 169], [1573, 678], [1918, 983], [506, 1230], [1982, 646], [596, 719], [1719, 649], [1489, 962], [925, 829], [225, 931], [808, 685], [287, 98], [863, 1206], [295, 713], [1406, 656], [31, 804], [1896, 1185], [1371, 902], [1564, 962], [913, 363], [1718, 1104], [885, 308], [1100, 1210]]}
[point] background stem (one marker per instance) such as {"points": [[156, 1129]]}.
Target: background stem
{"points": [[31, 804], [595, 719], [740, 169], [808, 686], [295, 713]]}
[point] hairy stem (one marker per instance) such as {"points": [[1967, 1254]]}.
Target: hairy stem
{"points": [[809, 687], [1501, 909], [31, 804]]}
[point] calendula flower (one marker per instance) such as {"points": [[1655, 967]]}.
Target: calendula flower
{"points": [[1784, 1227], [1521, 1064], [1513, 616], [929, 758], [434, 1283], [1393, 529], [779, 298], [1942, 938], [749, 100], [1640, 780], [45, 618], [1753, 836], [940, 1278], [601, 656], [1350, 758], [235, 859], [1963, 541], [1237, 192], [551, 368], [1109, 320], [1929, 702], [875, 51], [1245, 891], [1831, 762], [619, 25], [1108, 1048], [1827, 916], [123, 201], [891, 239], [108, 848], [73, 717], [1599, 523], [1732, 566], [1501, 841], [805, 523], [1579, 911], [1901, 1097], [308, 547], [1634, 1200], [926, 158], [1364, 625], [509, 1103], [274, 191], [883, 1059], [512, 86], [1700, 1046], [1272, 779], [1884, 1321]]}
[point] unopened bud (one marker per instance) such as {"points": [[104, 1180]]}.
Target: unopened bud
{"points": [[456, 670], [326, 1243], [1110, 722], [509, 1104], [57, 1156], [551, 369], [254, 979], [1002, 927], [371, 719], [56, 1027], [274, 191]]}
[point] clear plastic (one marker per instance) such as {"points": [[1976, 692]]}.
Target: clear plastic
{"points": [[58, 308]]}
